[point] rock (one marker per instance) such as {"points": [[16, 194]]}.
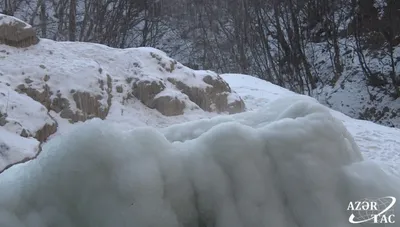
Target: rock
{"points": [[16, 33], [169, 106], [90, 105], [145, 91], [24, 133], [4, 148], [237, 106], [59, 103], [215, 97], [109, 92], [28, 80], [47, 130], [212, 98], [69, 114], [3, 119], [119, 89], [40, 96], [218, 84], [46, 78]]}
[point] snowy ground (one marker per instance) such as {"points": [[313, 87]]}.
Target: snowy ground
{"points": [[288, 161], [353, 94], [288, 164], [376, 142], [52, 73], [80, 66]]}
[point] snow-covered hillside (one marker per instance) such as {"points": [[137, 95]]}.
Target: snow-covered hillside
{"points": [[354, 93], [376, 142], [163, 150], [46, 87], [71, 82]]}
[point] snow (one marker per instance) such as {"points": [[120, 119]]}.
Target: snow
{"points": [[293, 167], [23, 115], [287, 161], [21, 148], [63, 68], [4, 19], [353, 94], [380, 6], [254, 92], [377, 143], [22, 111], [81, 66]]}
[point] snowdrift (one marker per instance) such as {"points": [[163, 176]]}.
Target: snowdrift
{"points": [[46, 86], [289, 164]]}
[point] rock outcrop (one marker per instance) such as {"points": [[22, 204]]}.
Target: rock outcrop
{"points": [[213, 97], [25, 125], [16, 33], [169, 106], [146, 91], [87, 105], [56, 81]]}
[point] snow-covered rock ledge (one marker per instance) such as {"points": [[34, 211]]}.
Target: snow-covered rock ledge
{"points": [[24, 125], [71, 82], [290, 164], [16, 33]]}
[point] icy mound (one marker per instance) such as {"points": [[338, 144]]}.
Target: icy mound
{"points": [[287, 165]]}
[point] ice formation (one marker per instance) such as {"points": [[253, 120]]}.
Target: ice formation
{"points": [[289, 164]]}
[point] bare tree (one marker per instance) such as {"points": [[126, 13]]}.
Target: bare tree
{"points": [[72, 20], [9, 7], [43, 17]]}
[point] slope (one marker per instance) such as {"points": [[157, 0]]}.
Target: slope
{"points": [[376, 142], [46, 86], [287, 161]]}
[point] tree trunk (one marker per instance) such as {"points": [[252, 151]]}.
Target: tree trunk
{"points": [[43, 18], [72, 20], [9, 7]]}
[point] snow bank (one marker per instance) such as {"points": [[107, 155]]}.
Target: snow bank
{"points": [[376, 142], [14, 148], [61, 83], [110, 76], [4, 19], [290, 167], [254, 91], [20, 119], [23, 112]]}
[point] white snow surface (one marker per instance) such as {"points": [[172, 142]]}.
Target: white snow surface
{"points": [[290, 163], [378, 143], [62, 68], [255, 92], [4, 19], [24, 114], [85, 67], [22, 111], [21, 148], [353, 94]]}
